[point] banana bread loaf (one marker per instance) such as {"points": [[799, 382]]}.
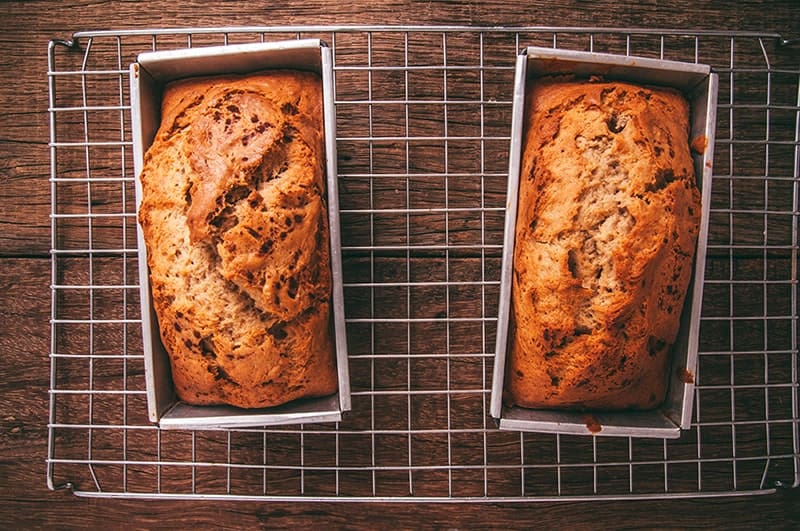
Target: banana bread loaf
{"points": [[608, 217], [235, 222]]}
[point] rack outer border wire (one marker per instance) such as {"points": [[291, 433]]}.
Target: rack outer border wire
{"points": [[74, 43]]}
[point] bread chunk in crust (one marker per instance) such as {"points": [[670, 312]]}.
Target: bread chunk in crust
{"points": [[606, 229], [235, 222]]}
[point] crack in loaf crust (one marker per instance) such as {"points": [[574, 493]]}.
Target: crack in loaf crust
{"points": [[606, 229], [234, 218]]}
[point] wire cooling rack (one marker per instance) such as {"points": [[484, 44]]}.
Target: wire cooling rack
{"points": [[423, 115]]}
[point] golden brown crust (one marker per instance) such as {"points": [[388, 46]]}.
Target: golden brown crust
{"points": [[235, 223], [606, 228]]}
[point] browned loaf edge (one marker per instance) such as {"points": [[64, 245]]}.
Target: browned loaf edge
{"points": [[235, 222], [606, 229]]}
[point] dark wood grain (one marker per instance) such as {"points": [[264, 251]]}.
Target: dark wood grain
{"points": [[25, 275]]}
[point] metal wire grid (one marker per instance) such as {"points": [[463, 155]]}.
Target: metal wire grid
{"points": [[422, 117]]}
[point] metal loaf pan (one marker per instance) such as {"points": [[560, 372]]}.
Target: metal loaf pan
{"points": [[147, 78], [699, 85]]}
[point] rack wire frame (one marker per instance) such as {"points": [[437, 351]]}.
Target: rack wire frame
{"points": [[422, 116]]}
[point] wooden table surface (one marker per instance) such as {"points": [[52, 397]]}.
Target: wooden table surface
{"points": [[25, 244]]}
